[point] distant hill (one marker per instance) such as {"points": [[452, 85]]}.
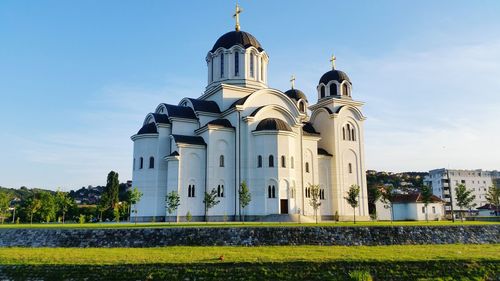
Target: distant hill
{"points": [[23, 192]]}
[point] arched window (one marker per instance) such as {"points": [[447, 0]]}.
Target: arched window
{"points": [[191, 190], [291, 163], [221, 65], [252, 70], [353, 134], [345, 89], [308, 192], [273, 189], [283, 161], [302, 108], [141, 163], [343, 133], [151, 162], [269, 192], [221, 161], [307, 167], [259, 161], [322, 91], [220, 190], [350, 168], [271, 161], [348, 128], [333, 89], [236, 63]]}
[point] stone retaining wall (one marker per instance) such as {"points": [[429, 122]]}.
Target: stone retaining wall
{"points": [[249, 236]]}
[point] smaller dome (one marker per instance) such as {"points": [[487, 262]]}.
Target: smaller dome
{"points": [[296, 94], [273, 124], [334, 75], [242, 38]]}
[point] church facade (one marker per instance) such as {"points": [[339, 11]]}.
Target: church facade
{"points": [[240, 130]]}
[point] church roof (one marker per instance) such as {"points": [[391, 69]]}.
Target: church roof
{"points": [[205, 105], [273, 124], [149, 128], [180, 111], [241, 38], [240, 101], [308, 129], [189, 139], [296, 94], [221, 122], [335, 75], [161, 118], [322, 151], [175, 153]]}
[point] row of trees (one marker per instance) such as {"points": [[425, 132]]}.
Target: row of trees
{"points": [[48, 206], [210, 199]]}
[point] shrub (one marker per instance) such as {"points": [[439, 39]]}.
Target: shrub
{"points": [[189, 217], [360, 275]]}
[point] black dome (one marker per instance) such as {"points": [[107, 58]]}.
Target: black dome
{"points": [[273, 124], [335, 75], [296, 94], [241, 38]]}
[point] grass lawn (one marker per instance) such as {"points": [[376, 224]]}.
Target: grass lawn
{"points": [[268, 254], [246, 224]]}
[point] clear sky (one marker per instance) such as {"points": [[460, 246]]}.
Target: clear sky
{"points": [[78, 77]]}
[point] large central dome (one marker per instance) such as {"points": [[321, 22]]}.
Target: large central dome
{"points": [[240, 38]]}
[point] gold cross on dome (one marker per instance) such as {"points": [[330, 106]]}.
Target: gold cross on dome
{"points": [[237, 16], [332, 60], [292, 80]]}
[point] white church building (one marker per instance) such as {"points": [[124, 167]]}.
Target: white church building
{"points": [[241, 130]]}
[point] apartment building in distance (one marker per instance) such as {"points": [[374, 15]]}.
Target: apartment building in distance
{"points": [[444, 181]]}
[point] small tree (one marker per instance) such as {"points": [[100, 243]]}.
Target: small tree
{"points": [[4, 205], [426, 192], [464, 198], [33, 204], [388, 199], [63, 202], [493, 197], [135, 197], [245, 198], [210, 201], [189, 217], [352, 198], [315, 199], [103, 205], [172, 202]]}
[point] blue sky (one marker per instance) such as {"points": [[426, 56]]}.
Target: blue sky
{"points": [[78, 77]]}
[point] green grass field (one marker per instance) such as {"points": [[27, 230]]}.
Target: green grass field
{"points": [[268, 254], [246, 224]]}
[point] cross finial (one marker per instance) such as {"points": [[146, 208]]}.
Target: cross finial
{"points": [[237, 16], [332, 60], [292, 81]]}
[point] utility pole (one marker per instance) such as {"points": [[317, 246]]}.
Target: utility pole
{"points": [[451, 196]]}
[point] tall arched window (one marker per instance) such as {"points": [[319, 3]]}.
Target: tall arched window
{"points": [[302, 108], [343, 133], [221, 65], [151, 162], [307, 167], [259, 161], [141, 163], [271, 161], [273, 189], [345, 89], [283, 161], [333, 89], [350, 168], [221, 161], [353, 134], [236, 63], [269, 192], [191, 190], [322, 91], [252, 66], [348, 128], [291, 162]]}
